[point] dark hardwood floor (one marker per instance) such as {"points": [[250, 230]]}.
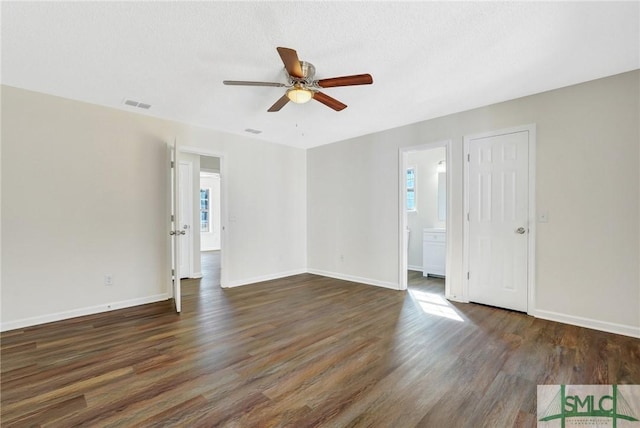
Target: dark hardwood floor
{"points": [[301, 351]]}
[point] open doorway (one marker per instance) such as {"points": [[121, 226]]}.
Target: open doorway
{"points": [[424, 214], [207, 224], [210, 226]]}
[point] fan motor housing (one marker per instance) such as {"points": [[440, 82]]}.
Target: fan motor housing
{"points": [[308, 70]]}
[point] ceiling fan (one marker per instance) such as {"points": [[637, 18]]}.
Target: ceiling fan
{"points": [[302, 87]]}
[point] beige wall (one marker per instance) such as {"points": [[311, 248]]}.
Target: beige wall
{"points": [[586, 176], [84, 194]]}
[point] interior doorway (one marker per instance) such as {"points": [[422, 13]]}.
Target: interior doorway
{"points": [[424, 212], [210, 226], [209, 215], [209, 211]]}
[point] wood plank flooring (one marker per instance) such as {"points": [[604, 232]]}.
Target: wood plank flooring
{"points": [[304, 351]]}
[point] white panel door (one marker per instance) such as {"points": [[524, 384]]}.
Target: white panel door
{"points": [[175, 232], [498, 219]]}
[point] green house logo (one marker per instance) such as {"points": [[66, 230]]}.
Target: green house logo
{"points": [[588, 405]]}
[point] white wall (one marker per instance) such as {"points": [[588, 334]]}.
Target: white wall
{"points": [[425, 163], [84, 194], [587, 176]]}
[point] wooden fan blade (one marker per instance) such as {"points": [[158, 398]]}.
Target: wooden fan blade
{"points": [[279, 104], [245, 83], [357, 79], [291, 62], [329, 101]]}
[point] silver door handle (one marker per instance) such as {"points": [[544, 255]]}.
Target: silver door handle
{"points": [[172, 232], [181, 232], [521, 230]]}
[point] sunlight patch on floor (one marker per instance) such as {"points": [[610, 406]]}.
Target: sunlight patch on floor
{"points": [[435, 304]]}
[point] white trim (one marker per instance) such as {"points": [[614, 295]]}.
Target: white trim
{"points": [[403, 250], [196, 275], [531, 259], [358, 279], [416, 268], [531, 271], [201, 151], [169, 212], [91, 310], [626, 330], [257, 279], [622, 329]]}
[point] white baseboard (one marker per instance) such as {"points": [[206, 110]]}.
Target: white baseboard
{"points": [[416, 268], [59, 316], [196, 275], [625, 330], [368, 281], [247, 281]]}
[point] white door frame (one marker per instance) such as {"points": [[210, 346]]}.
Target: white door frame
{"points": [[174, 288], [403, 251], [186, 216], [224, 271], [531, 259]]}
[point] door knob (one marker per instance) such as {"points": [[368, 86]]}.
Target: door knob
{"points": [[181, 232], [520, 230], [171, 233]]}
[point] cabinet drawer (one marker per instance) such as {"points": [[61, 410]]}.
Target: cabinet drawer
{"points": [[434, 237]]}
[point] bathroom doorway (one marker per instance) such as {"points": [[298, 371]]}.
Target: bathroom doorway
{"points": [[424, 212]]}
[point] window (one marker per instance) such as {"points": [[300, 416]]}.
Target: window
{"points": [[411, 189], [204, 210]]}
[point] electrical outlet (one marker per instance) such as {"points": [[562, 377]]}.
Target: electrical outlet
{"points": [[108, 280]]}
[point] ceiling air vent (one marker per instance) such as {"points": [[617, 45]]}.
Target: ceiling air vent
{"points": [[138, 104], [252, 131]]}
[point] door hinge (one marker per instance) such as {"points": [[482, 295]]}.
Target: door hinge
{"points": [[173, 218], [468, 157], [173, 272], [468, 219], [172, 164], [468, 275]]}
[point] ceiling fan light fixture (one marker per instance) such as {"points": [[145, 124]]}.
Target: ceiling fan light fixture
{"points": [[299, 95]]}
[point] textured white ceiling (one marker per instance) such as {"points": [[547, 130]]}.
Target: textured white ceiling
{"points": [[427, 59]]}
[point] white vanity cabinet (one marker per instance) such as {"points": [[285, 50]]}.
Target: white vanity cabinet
{"points": [[433, 251]]}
